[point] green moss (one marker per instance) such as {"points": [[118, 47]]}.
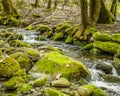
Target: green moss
{"points": [[40, 82], [41, 38], [57, 62], [53, 92], [19, 73], [69, 40], [30, 27], [101, 37], [24, 88], [35, 15], [110, 47], [8, 66], [14, 82], [69, 30], [58, 36], [117, 64], [55, 49], [19, 43], [94, 51], [86, 90], [88, 46], [49, 34], [99, 92], [23, 60], [42, 28], [116, 37], [9, 94]]}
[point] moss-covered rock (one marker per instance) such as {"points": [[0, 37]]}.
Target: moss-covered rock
{"points": [[69, 40], [57, 62], [32, 53], [40, 82], [101, 37], [8, 66], [94, 51], [20, 73], [99, 92], [88, 46], [116, 37], [53, 92], [110, 47], [19, 43], [86, 90], [30, 27], [24, 88], [41, 38], [3, 44], [61, 82], [58, 36], [14, 82], [43, 28], [9, 94], [23, 60], [49, 34]]}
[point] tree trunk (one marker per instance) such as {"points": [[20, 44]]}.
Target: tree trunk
{"points": [[94, 11], [114, 7], [36, 4], [105, 16], [49, 4], [55, 4], [9, 8], [84, 13]]}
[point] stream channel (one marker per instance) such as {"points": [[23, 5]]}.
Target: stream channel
{"points": [[90, 60]]}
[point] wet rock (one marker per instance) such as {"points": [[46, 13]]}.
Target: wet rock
{"points": [[24, 88], [40, 82], [8, 66], [101, 37], [88, 46], [99, 92], [53, 92], [116, 37], [41, 38], [110, 47], [19, 43], [57, 62], [61, 82], [14, 82], [117, 64], [23, 60], [105, 68], [110, 78], [86, 90]]}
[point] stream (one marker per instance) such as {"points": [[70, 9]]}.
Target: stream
{"points": [[76, 52]]}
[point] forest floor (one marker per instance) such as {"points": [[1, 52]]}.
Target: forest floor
{"points": [[70, 14]]}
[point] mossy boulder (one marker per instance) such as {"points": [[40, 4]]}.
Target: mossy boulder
{"points": [[101, 37], [88, 46], [86, 90], [41, 38], [8, 66], [69, 40], [19, 43], [116, 37], [30, 27], [61, 82], [110, 47], [53, 92], [14, 82], [20, 73], [57, 62], [95, 51], [32, 53], [58, 36], [99, 92], [23, 60], [43, 28], [24, 88], [9, 94], [40, 82]]}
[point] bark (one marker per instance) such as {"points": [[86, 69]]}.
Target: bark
{"points": [[49, 4], [105, 16], [94, 11], [114, 7], [9, 8]]}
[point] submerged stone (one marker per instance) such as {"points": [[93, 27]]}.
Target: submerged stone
{"points": [[57, 62]]}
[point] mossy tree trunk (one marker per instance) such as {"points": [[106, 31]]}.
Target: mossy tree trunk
{"points": [[114, 7], [95, 6], [105, 16], [55, 3], [9, 8], [49, 4]]}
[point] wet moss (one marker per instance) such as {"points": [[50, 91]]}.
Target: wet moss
{"points": [[116, 37], [58, 36], [43, 28], [88, 46], [99, 92]]}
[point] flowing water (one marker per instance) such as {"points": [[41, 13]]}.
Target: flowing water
{"points": [[90, 60]]}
